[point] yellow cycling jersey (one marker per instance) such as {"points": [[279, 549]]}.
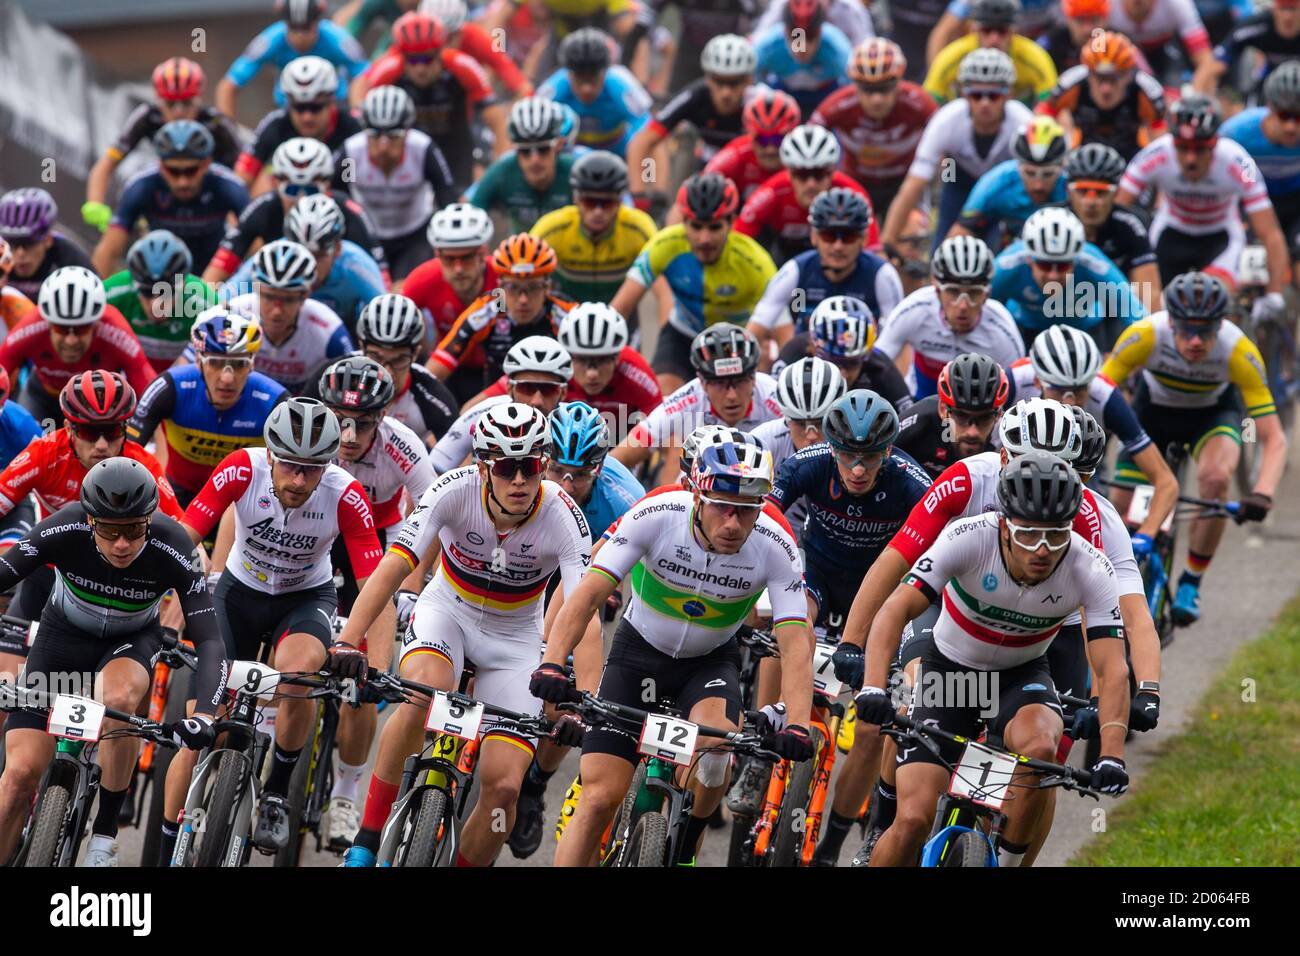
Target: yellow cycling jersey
{"points": [[1035, 72], [1177, 383], [585, 8], [723, 291], [592, 270]]}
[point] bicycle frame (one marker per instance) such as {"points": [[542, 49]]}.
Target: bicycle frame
{"points": [[321, 769], [954, 816], [442, 765]]}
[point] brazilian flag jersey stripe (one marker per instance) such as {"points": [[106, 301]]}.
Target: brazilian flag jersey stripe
{"points": [[659, 596]]}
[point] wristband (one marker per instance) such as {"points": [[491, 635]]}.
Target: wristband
{"points": [[1114, 723], [1149, 686]]}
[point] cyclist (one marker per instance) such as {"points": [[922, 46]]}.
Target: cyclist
{"points": [[311, 111], [1153, 24], [500, 506], [597, 239], [27, 220], [1052, 272], [494, 322], [87, 629], [611, 103], [776, 214], [159, 296], [1190, 342], [177, 85], [878, 120], [954, 314], [803, 54], [749, 160], [965, 139], [209, 409], [14, 306], [346, 277], [958, 420], [1005, 196], [1107, 98], [277, 588], [994, 29], [805, 391], [301, 31], [73, 330], [716, 274], [1032, 20], [1271, 33], [1028, 553], [1080, 20], [1093, 172], [533, 178]]}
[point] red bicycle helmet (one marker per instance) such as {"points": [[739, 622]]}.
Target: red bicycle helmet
{"points": [[418, 33], [773, 112], [708, 197], [178, 79], [97, 398]]}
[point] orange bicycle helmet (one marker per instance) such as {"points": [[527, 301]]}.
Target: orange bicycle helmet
{"points": [[1109, 52], [773, 112], [1086, 8], [876, 60], [523, 255]]}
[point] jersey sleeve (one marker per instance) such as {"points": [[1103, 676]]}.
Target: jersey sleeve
{"points": [[633, 536], [155, 405], [357, 529], [255, 55], [29, 553], [1119, 420], [1246, 371], [789, 485], [574, 552], [19, 476], [983, 201], [137, 125], [940, 562], [1100, 596], [773, 309], [946, 499], [1131, 352], [756, 212], [943, 71], [167, 501], [784, 574], [438, 175], [201, 629], [438, 406], [479, 44], [228, 481], [895, 331], [131, 202], [439, 503], [1191, 28]]}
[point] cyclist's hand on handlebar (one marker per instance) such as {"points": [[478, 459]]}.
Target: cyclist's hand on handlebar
{"points": [[192, 732], [1142, 545], [1270, 305], [874, 706], [793, 743], [1254, 507], [550, 682], [1144, 712], [96, 214], [568, 731], [1109, 776], [771, 719], [850, 663], [1086, 724], [347, 661]]}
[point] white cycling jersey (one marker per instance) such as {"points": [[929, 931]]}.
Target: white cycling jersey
{"points": [[775, 437], [454, 447], [849, 15], [402, 201], [989, 621], [1167, 19], [395, 462], [280, 549], [689, 407], [686, 600], [319, 335], [773, 310], [950, 133], [918, 321]]}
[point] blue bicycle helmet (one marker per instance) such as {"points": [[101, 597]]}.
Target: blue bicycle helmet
{"points": [[579, 436], [842, 326], [184, 139], [158, 257], [861, 421], [840, 208], [219, 331]]}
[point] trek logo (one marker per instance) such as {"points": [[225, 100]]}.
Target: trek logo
{"points": [[82, 910], [955, 485]]}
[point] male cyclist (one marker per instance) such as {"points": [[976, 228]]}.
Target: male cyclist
{"points": [[1159, 28], [805, 390], [1272, 33], [749, 160], [958, 420], [27, 220], [611, 103], [1005, 196], [994, 29], [803, 55], [533, 178]]}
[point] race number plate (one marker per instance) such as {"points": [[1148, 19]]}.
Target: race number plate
{"points": [[450, 716], [824, 678], [250, 677], [76, 718], [983, 776], [669, 739], [1140, 507]]}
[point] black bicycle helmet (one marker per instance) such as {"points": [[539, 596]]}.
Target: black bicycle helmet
{"points": [[599, 172], [585, 51], [1038, 486], [119, 489], [724, 350], [356, 383], [973, 382], [1095, 161], [708, 196], [1094, 441], [840, 208], [1197, 297], [1194, 117], [1001, 13]]}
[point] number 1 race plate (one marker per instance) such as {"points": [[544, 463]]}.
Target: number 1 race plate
{"points": [[76, 718], [983, 776], [668, 739], [448, 715]]}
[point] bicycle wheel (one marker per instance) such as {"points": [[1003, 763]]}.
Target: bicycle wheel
{"points": [[969, 850], [626, 819], [791, 825], [48, 825], [430, 816], [177, 691], [219, 809], [291, 855], [648, 846]]}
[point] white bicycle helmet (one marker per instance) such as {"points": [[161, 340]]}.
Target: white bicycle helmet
{"points": [[460, 226], [71, 296], [308, 78], [706, 435], [302, 161], [593, 328], [285, 264], [964, 260], [450, 13], [986, 66], [303, 430], [1053, 234], [388, 108], [314, 222], [534, 119], [728, 55], [391, 321], [808, 388], [1065, 357], [843, 325], [810, 147], [1252, 268], [538, 353], [1040, 424], [511, 430]]}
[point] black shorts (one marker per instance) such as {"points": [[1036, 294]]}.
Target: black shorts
{"points": [[918, 639], [1068, 662], [1177, 252], [834, 592], [1288, 217], [64, 659], [673, 354], [1192, 427], [633, 666], [1017, 687], [249, 619]]}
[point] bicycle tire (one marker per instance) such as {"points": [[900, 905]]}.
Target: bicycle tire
{"points": [[648, 846], [626, 818], [291, 854], [223, 796], [790, 830], [177, 691], [422, 851], [48, 826], [969, 850]]}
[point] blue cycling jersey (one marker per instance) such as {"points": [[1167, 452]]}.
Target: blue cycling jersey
{"points": [[1094, 291], [809, 83], [845, 533], [353, 281], [271, 48], [17, 429], [999, 197], [200, 222], [1279, 164], [860, 283], [614, 493], [610, 120]]}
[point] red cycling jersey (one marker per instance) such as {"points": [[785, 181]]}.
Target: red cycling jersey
{"points": [[738, 163], [113, 347], [50, 469], [388, 70], [427, 288], [877, 150], [773, 208]]}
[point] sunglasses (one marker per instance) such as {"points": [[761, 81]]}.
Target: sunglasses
{"points": [[804, 424], [745, 508], [401, 361], [596, 361], [298, 190], [1194, 145], [181, 172], [421, 59], [93, 433], [808, 175], [727, 382], [1044, 265], [845, 237], [544, 389], [985, 94], [1110, 77], [133, 531], [713, 225], [315, 107], [1031, 539], [524, 288], [74, 331], [507, 468], [768, 139], [598, 202], [1286, 116], [867, 461], [966, 419], [389, 134], [457, 257], [227, 363], [294, 468], [972, 293], [884, 89], [540, 149], [1039, 173], [579, 476], [995, 28], [1093, 190], [27, 242], [1201, 330]]}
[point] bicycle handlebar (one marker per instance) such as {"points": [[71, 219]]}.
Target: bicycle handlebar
{"points": [[399, 689], [16, 697]]}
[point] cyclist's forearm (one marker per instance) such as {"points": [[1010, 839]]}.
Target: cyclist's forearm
{"points": [[795, 642], [901, 208], [589, 657], [1165, 496], [379, 636], [1272, 455], [579, 607], [1107, 655], [903, 605], [1143, 641], [100, 176], [224, 542]]}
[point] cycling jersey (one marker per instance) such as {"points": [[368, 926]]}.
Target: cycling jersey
{"points": [[920, 435], [1256, 33], [878, 372], [163, 340], [810, 82], [723, 291], [401, 201], [147, 119], [689, 407], [454, 447], [271, 48], [1035, 71], [503, 187], [280, 549], [318, 335], [773, 213], [591, 270], [276, 128], [990, 621], [427, 288], [48, 469], [1123, 239], [694, 105], [774, 436], [395, 462], [14, 307], [1127, 127], [1279, 164], [1166, 19], [476, 44], [876, 150], [485, 326], [1105, 402], [950, 133], [613, 493], [738, 163], [1174, 382], [198, 437], [918, 321], [801, 285], [17, 430], [199, 222], [769, 509], [1094, 295], [1000, 199], [353, 280], [687, 600], [849, 15], [113, 346], [63, 251], [423, 404], [609, 122]]}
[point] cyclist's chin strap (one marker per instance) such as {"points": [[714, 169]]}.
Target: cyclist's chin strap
{"points": [[699, 528], [492, 495]]}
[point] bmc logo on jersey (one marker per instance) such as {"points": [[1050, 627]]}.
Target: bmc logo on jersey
{"points": [[357, 501], [949, 486], [231, 473]]}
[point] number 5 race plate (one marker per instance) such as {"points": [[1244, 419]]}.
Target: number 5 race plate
{"points": [[450, 716]]}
